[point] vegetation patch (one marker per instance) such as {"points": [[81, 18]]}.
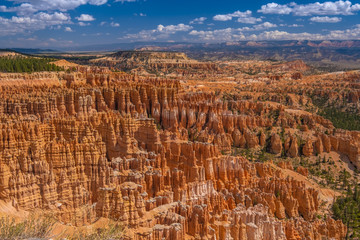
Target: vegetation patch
{"points": [[27, 65], [347, 209], [32, 227], [340, 119]]}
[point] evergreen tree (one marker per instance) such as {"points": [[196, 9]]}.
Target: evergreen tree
{"points": [[347, 209], [27, 64]]}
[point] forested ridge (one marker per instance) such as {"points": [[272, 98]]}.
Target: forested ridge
{"points": [[20, 64]]}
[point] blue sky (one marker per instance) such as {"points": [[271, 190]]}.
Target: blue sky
{"points": [[63, 23]]}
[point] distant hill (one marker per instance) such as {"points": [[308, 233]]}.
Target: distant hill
{"points": [[33, 50], [126, 46], [168, 46], [149, 60], [330, 55], [7, 53]]}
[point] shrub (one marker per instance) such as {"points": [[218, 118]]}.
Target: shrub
{"points": [[32, 227]]}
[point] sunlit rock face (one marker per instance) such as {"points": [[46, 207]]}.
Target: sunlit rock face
{"points": [[147, 153]]}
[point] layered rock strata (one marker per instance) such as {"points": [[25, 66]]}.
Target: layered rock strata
{"points": [[143, 152]]}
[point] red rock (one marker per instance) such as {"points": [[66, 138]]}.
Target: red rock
{"points": [[307, 149], [276, 144]]}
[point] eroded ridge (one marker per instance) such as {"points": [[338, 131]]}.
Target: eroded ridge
{"points": [[147, 153]]}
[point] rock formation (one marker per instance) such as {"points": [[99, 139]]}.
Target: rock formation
{"points": [[145, 152]]}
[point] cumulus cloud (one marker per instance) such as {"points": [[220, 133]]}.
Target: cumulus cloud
{"points": [[174, 28], [26, 7], [230, 34], [326, 8], [84, 24], [199, 20], [68, 29], [219, 35], [161, 32], [348, 34], [114, 24], [85, 18], [249, 20], [326, 19], [264, 25], [242, 17], [122, 1], [33, 15], [241, 34], [291, 25], [50, 12], [230, 16], [274, 8], [39, 21]]}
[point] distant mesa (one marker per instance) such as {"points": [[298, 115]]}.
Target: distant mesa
{"points": [[149, 55], [152, 62]]}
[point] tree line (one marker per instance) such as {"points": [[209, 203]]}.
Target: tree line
{"points": [[343, 120], [27, 65], [340, 119], [347, 209]]}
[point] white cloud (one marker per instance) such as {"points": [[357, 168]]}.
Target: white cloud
{"points": [[199, 20], [140, 14], [274, 8], [219, 35], [295, 25], [242, 17], [97, 2], [222, 18], [83, 24], [26, 7], [249, 20], [85, 18], [174, 28], [230, 16], [291, 25], [326, 8], [326, 19], [264, 25], [52, 13], [68, 29], [230, 34], [114, 24], [241, 34], [39, 21], [122, 1], [161, 32]]}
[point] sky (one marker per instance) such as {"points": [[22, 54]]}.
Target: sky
{"points": [[71, 23]]}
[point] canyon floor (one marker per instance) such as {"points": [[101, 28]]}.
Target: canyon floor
{"points": [[156, 145]]}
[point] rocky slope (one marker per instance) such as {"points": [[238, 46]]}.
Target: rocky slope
{"points": [[157, 158]]}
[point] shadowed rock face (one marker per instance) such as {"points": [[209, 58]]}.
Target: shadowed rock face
{"points": [[148, 154]]}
